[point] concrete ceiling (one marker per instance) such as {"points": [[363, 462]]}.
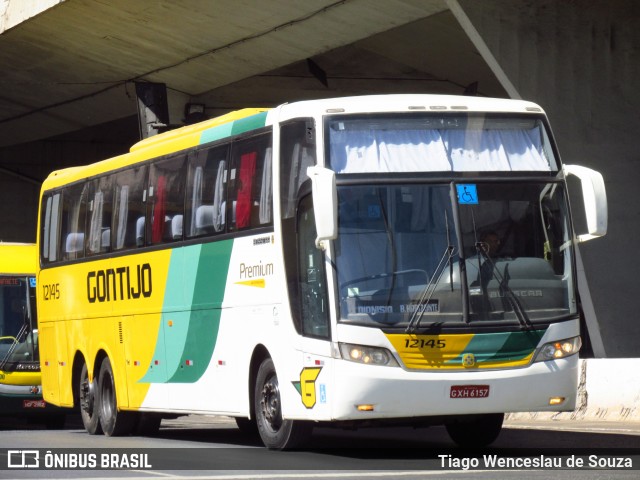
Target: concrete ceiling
{"points": [[74, 65]]}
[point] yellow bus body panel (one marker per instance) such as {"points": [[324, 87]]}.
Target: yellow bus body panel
{"points": [[20, 378], [97, 326], [18, 259]]}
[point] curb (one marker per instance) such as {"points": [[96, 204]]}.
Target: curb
{"points": [[608, 390]]}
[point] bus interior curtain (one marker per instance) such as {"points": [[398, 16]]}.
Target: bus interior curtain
{"points": [[95, 226], [301, 158], [218, 198], [157, 229], [266, 191], [123, 209], [243, 205], [196, 199], [47, 223], [446, 150], [55, 228], [77, 207], [290, 208]]}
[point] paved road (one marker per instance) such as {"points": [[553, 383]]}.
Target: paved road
{"points": [[207, 447]]}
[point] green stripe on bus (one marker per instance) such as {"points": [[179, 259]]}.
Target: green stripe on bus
{"points": [[234, 128], [518, 345], [187, 335], [250, 123], [500, 347], [174, 323], [216, 133], [212, 267]]}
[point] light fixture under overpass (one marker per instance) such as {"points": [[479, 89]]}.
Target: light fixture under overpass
{"points": [[194, 113]]}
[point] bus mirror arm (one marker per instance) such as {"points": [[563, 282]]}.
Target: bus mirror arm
{"points": [[325, 204], [595, 200]]}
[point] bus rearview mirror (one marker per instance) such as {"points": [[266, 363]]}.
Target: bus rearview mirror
{"points": [[595, 200], [325, 204]]}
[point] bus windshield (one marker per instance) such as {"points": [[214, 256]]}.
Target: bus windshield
{"points": [[403, 258], [18, 348]]}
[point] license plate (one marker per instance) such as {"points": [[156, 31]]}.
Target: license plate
{"points": [[33, 404], [469, 391]]}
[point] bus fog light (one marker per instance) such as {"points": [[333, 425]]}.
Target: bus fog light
{"points": [[364, 408], [556, 401], [367, 355], [559, 349]]}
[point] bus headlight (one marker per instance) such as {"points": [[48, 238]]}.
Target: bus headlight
{"points": [[367, 355], [559, 349]]}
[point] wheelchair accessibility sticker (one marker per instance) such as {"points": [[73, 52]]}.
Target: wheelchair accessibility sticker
{"points": [[467, 194]]}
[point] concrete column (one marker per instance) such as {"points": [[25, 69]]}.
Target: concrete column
{"points": [[580, 61]]}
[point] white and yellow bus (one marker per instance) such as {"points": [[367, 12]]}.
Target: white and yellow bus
{"points": [[20, 390], [323, 263]]}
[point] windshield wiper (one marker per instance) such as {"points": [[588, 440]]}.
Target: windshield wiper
{"points": [[14, 345], [448, 253], [429, 290], [503, 285]]}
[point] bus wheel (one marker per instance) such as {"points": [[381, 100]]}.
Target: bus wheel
{"points": [[88, 403], [479, 431], [113, 422], [275, 432]]}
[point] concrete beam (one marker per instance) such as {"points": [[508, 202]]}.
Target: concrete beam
{"points": [[483, 49], [14, 12]]}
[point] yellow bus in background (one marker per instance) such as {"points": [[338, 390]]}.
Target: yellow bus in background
{"points": [[20, 390]]}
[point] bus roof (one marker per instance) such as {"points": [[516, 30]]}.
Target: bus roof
{"points": [[190, 135], [405, 103], [165, 143], [18, 258]]}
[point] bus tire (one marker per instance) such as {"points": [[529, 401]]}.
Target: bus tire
{"points": [[275, 432], [88, 401], [478, 431], [114, 423]]}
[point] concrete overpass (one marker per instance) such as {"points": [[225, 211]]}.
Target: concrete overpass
{"points": [[67, 91]]}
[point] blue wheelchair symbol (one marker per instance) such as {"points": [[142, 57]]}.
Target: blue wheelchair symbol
{"points": [[467, 194]]}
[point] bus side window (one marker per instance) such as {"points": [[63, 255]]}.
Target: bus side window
{"points": [[206, 192], [99, 226], [297, 152], [74, 208], [129, 208], [251, 183], [312, 287], [50, 227], [166, 200]]}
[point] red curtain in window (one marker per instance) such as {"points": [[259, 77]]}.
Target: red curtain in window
{"points": [[159, 210], [243, 203]]}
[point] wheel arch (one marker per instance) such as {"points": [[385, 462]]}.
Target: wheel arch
{"points": [[80, 359], [76, 370], [259, 355]]}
